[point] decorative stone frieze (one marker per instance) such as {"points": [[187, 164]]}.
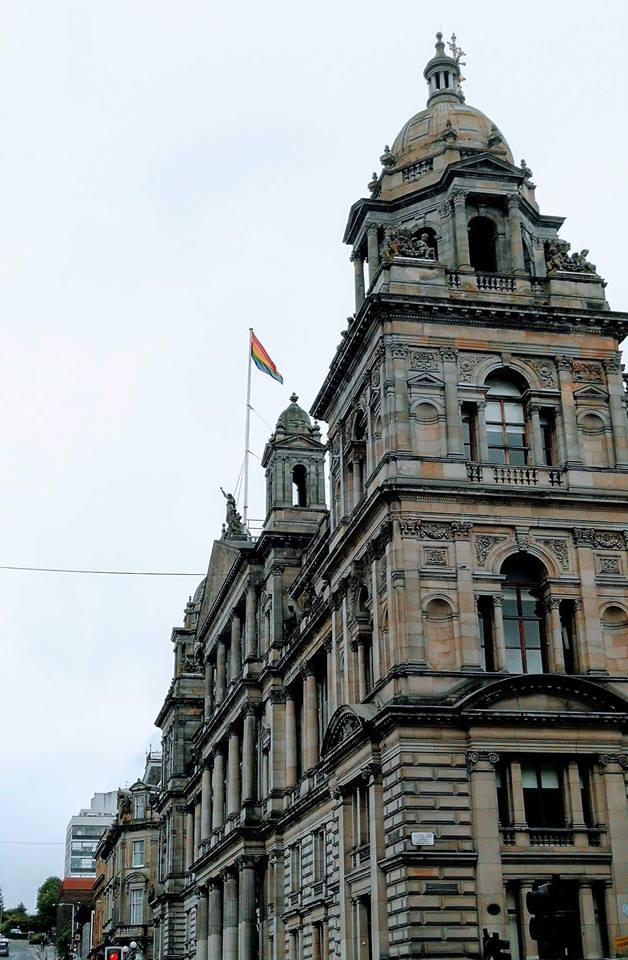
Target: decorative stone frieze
{"points": [[467, 362], [436, 557], [609, 564], [559, 547], [484, 543], [423, 360], [600, 539], [546, 371], [585, 372]]}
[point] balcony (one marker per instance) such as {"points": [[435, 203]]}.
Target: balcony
{"points": [[550, 836], [485, 282], [506, 476]]}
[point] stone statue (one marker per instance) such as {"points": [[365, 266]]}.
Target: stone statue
{"points": [[526, 170], [233, 526], [424, 248], [558, 257]]}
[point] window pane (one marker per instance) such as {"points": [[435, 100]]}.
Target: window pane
{"points": [[515, 438], [534, 661], [511, 633], [517, 458], [549, 776], [532, 633], [513, 661], [496, 455], [528, 775], [513, 413], [510, 603], [493, 412]]}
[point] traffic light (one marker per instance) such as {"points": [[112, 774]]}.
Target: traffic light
{"points": [[544, 903], [493, 947], [113, 953]]}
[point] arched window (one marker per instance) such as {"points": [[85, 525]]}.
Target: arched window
{"points": [[505, 421], [523, 615], [299, 486], [482, 245]]}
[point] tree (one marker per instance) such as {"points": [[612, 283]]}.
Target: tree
{"points": [[1, 905], [47, 899]]}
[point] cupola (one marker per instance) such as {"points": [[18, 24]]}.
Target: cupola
{"points": [[442, 73]]}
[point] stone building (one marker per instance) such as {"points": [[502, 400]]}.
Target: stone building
{"points": [[391, 717], [126, 868]]}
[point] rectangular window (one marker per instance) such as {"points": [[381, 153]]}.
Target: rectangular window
{"points": [[137, 856], [567, 610], [506, 432], [548, 437], [470, 433], [543, 793], [139, 806], [136, 912], [503, 802], [486, 625], [320, 859], [360, 802], [295, 867], [524, 632], [586, 793]]}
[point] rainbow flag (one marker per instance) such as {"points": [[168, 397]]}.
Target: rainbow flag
{"points": [[262, 361]]}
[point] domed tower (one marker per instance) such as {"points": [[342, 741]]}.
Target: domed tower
{"points": [[294, 459]]}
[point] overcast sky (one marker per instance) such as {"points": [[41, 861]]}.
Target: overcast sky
{"points": [[172, 173]]}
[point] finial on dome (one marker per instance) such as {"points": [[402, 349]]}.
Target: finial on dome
{"points": [[440, 46], [293, 398]]}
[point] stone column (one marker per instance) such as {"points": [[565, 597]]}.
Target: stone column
{"points": [[373, 251], [215, 920], [221, 671], [575, 804], [568, 412], [246, 923], [358, 268], [538, 255], [201, 923], [249, 744], [379, 896], [469, 654], [291, 742], [500, 639], [455, 440], [537, 436], [489, 879], [463, 257], [617, 410], [482, 437], [519, 821], [556, 636], [530, 946], [233, 774], [218, 813], [230, 916], [331, 671], [189, 838], [614, 928], [206, 800], [250, 627], [514, 229], [236, 647], [612, 768], [362, 676], [591, 652], [588, 922], [310, 717], [209, 689], [197, 829]]}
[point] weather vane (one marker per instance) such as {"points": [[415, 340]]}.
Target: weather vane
{"points": [[457, 53]]}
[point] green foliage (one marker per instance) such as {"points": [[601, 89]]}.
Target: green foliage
{"points": [[47, 899], [64, 936]]}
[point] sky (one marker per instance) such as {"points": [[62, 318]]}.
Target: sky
{"points": [[172, 174]]}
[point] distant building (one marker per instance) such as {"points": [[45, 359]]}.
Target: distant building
{"points": [[84, 832], [127, 858]]}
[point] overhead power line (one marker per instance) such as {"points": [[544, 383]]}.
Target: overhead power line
{"points": [[107, 573]]}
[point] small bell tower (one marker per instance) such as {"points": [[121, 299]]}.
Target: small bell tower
{"points": [[294, 459]]}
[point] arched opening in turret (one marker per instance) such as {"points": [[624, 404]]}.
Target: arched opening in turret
{"points": [[483, 245], [299, 486]]}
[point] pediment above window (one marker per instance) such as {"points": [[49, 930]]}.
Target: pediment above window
{"points": [[542, 694], [347, 724]]}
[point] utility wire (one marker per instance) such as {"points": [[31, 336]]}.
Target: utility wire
{"points": [[109, 573]]}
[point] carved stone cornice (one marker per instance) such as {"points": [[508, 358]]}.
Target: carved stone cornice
{"points": [[433, 530]]}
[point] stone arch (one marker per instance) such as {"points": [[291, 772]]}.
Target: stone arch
{"points": [[596, 436], [614, 619], [348, 723], [440, 621], [503, 551], [427, 414], [567, 686]]}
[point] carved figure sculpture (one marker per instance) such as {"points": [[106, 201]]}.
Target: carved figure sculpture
{"points": [[233, 526], [558, 257], [407, 241]]}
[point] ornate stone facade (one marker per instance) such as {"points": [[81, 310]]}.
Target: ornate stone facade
{"points": [[443, 651]]}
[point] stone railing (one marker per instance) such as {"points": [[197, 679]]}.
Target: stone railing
{"points": [[507, 476], [453, 279], [361, 854], [548, 836], [495, 283]]}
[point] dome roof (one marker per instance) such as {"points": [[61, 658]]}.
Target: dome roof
{"points": [[294, 419], [427, 131]]}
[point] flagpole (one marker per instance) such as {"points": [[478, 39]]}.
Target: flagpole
{"points": [[247, 429]]}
